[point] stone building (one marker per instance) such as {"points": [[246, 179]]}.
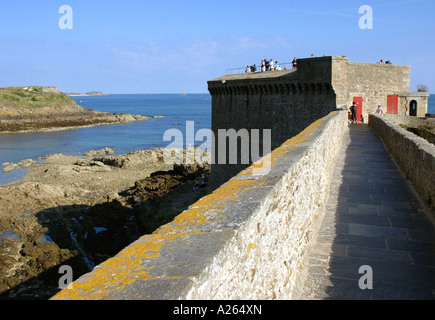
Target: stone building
{"points": [[287, 101], [413, 103], [371, 85]]}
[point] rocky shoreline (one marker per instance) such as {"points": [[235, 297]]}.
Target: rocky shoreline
{"points": [[64, 120], [79, 211]]}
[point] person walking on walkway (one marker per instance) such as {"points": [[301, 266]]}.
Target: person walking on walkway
{"points": [[353, 112]]}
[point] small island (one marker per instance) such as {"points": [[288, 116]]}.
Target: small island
{"points": [[41, 108], [87, 94]]}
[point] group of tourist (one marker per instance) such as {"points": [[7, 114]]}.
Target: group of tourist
{"points": [[269, 65], [382, 62], [353, 111]]}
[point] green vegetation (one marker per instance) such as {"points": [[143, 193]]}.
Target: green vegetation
{"points": [[428, 128], [32, 97]]}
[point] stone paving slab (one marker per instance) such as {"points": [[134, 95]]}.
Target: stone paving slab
{"points": [[373, 218]]}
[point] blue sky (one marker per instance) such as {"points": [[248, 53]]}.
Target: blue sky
{"points": [[170, 46]]}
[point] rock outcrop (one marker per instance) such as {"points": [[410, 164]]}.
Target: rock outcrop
{"points": [[79, 211]]}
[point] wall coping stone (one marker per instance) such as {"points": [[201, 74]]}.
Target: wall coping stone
{"points": [[414, 155], [168, 263], [414, 94], [380, 65]]}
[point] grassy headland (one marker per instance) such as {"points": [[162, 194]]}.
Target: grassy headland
{"points": [[37, 108], [32, 97]]}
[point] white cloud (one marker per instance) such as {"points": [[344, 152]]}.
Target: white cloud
{"points": [[195, 54]]}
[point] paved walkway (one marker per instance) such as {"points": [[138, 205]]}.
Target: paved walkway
{"points": [[373, 218]]}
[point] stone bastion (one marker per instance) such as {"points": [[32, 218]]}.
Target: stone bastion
{"points": [[248, 239]]}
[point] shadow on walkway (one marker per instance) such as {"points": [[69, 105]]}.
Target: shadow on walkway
{"points": [[375, 219]]}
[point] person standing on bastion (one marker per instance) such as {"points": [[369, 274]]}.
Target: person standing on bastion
{"points": [[379, 110]]}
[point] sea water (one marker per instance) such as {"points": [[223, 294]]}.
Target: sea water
{"points": [[128, 137], [175, 109], [431, 104]]}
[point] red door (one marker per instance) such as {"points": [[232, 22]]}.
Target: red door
{"points": [[359, 103], [392, 104]]}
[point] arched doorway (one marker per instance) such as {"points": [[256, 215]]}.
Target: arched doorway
{"points": [[413, 108]]}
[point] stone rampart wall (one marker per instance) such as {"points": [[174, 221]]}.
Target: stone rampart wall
{"points": [[246, 240], [408, 121], [414, 155], [281, 102]]}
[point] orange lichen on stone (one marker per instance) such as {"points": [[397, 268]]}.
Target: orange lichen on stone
{"points": [[234, 188], [117, 272], [127, 266], [273, 158], [185, 223], [207, 209], [303, 136], [251, 245], [131, 264]]}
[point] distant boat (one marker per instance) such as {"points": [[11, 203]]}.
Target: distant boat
{"points": [[183, 94]]}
